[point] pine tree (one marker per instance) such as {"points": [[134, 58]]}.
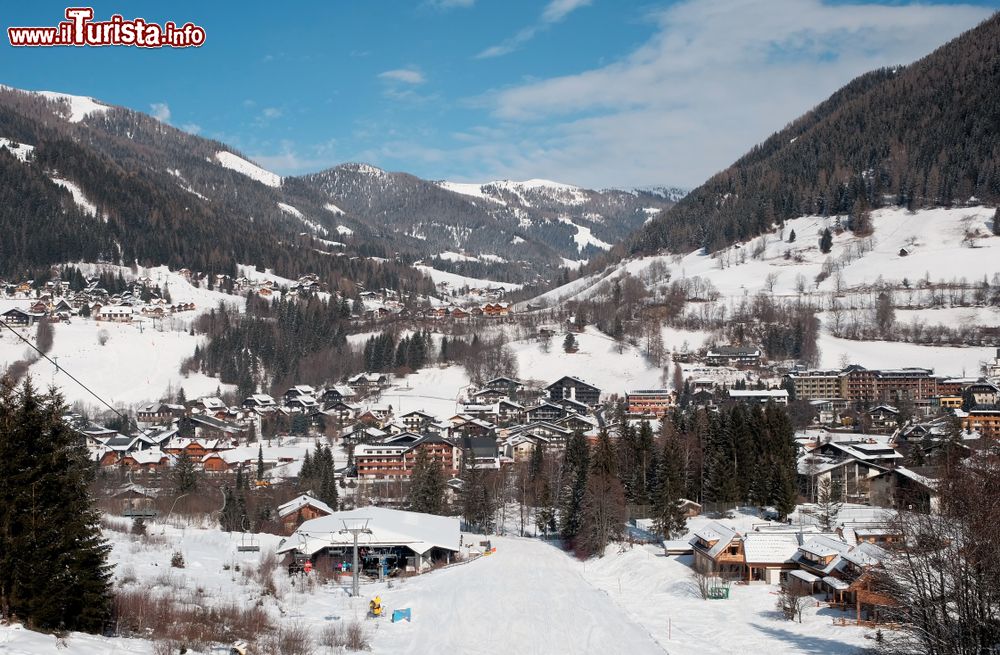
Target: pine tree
{"points": [[569, 343], [184, 475], [791, 237], [826, 241], [427, 485], [603, 511], [996, 222], [260, 462], [54, 573], [669, 518], [576, 467]]}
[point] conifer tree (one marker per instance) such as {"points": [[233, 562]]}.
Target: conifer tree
{"points": [[184, 475], [669, 518], [576, 467], [427, 485], [996, 222], [54, 573], [791, 237], [260, 462], [826, 241]]}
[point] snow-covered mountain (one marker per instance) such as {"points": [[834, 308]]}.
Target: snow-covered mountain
{"points": [[514, 230]]}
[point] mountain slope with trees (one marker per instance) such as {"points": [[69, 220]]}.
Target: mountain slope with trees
{"points": [[922, 135]]}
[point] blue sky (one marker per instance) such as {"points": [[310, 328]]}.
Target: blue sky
{"points": [[592, 92]]}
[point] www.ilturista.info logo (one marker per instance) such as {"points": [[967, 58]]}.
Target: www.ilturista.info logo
{"points": [[80, 29]]}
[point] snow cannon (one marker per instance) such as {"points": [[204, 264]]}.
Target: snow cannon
{"points": [[399, 615], [375, 607]]}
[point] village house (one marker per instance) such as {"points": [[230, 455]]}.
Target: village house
{"points": [[574, 389], [260, 401], [740, 356], [300, 509], [649, 402]]}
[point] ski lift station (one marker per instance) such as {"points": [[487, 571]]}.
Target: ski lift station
{"points": [[392, 541]]}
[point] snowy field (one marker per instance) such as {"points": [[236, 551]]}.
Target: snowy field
{"points": [[933, 238], [528, 597]]}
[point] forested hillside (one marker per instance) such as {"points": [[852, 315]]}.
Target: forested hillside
{"points": [[916, 136]]}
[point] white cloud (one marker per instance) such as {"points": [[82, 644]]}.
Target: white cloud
{"points": [[554, 12], [271, 112], [191, 128], [559, 9], [715, 79], [452, 4], [160, 111], [409, 75]]}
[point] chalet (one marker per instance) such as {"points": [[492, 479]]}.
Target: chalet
{"points": [[297, 391], [17, 317], [260, 401], [577, 423], [904, 487], [209, 404], [39, 308], [366, 383], [150, 460], [521, 447], [649, 402], [363, 434], [416, 419], [299, 509], [507, 386], [571, 406], [485, 412], [302, 403], [982, 393], [509, 412], [883, 418], [768, 554], [341, 412], [154, 414], [556, 434], [487, 396], [208, 427], [480, 452], [337, 393], [733, 356], [983, 419], [496, 309], [545, 411], [116, 314], [574, 389], [718, 549]]}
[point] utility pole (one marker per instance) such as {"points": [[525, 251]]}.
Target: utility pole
{"points": [[355, 527]]}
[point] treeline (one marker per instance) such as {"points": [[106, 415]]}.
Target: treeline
{"points": [[873, 143], [385, 353], [274, 344], [740, 455]]}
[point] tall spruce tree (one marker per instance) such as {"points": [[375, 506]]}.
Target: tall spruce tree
{"points": [[576, 467], [668, 516], [427, 485], [54, 571]]}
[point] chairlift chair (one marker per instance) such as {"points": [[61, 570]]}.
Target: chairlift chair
{"points": [[248, 541]]}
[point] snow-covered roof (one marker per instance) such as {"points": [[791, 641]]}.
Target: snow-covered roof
{"points": [[715, 532], [804, 575], [389, 527], [297, 503], [770, 547]]}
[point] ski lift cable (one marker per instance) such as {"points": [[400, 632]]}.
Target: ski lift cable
{"points": [[68, 374]]}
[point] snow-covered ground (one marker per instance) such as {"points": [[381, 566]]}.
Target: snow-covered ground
{"points": [[527, 597], [20, 150], [79, 197], [459, 281], [935, 239], [244, 167]]}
